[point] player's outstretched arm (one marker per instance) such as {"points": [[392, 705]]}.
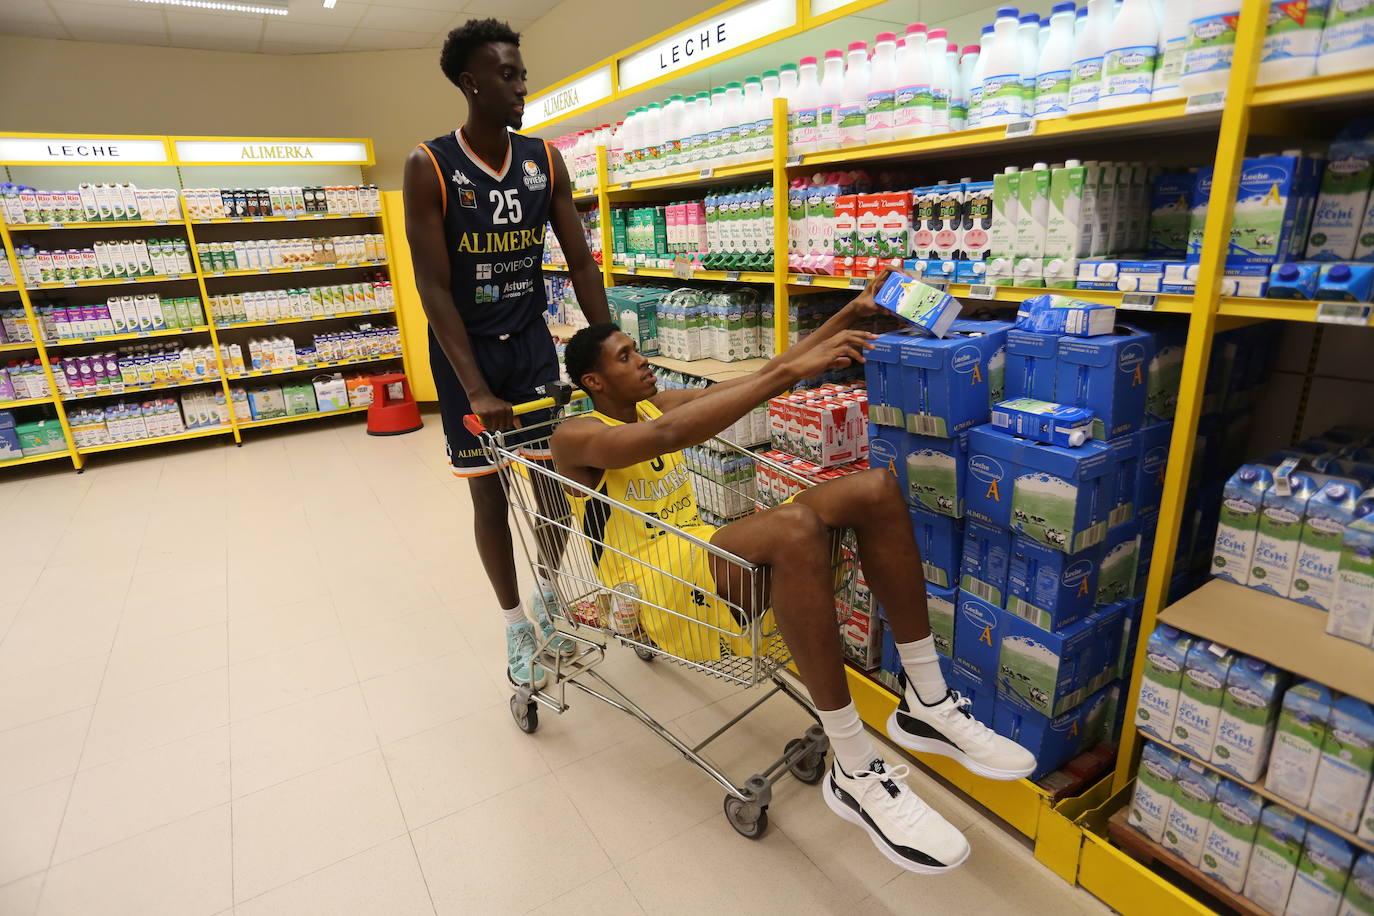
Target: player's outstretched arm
{"points": [[582, 267]]}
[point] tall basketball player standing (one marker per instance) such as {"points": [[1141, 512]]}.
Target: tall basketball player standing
{"points": [[477, 201]]}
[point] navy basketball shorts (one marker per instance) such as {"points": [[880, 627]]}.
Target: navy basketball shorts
{"points": [[514, 367]]}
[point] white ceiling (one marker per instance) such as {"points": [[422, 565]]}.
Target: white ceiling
{"points": [[353, 25]]}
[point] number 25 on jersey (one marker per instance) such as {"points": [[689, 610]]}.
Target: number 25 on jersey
{"points": [[507, 204]]}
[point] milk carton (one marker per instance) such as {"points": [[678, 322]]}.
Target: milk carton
{"points": [[935, 473], [1169, 215], [1343, 773], [1154, 460], [1294, 281], [940, 605], [1265, 215], [1165, 656], [1050, 672], [1352, 609], [888, 449], [931, 310], [1053, 741], [1154, 790], [1120, 559], [1323, 872], [1364, 245], [1049, 313], [994, 334], [1345, 282], [1344, 193], [1006, 206], [1032, 359], [1249, 716], [985, 559], [1231, 834], [1107, 374], [1044, 421], [940, 540], [1199, 700], [978, 630], [945, 382], [1274, 860], [1104, 666], [1195, 790], [1304, 720], [1064, 227], [883, 377], [1359, 890], [982, 695], [1050, 588], [1329, 511], [1280, 526], [1242, 500]]}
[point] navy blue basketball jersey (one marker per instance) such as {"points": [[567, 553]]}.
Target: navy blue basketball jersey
{"points": [[494, 225]]}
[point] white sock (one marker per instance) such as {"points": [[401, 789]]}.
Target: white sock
{"points": [[853, 748], [921, 663], [543, 582], [515, 614]]}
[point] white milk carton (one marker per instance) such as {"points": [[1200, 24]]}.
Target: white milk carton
{"points": [[1359, 890], [1199, 698], [1274, 860], [1344, 193], [1154, 790], [1249, 715], [1323, 872], [1241, 501], [1195, 790], [1352, 610], [1304, 721], [1329, 511], [1231, 834], [1280, 525], [1165, 656], [1347, 760]]}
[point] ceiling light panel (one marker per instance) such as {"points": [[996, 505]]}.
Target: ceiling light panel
{"points": [[256, 7]]}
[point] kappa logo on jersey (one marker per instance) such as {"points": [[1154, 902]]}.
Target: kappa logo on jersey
{"points": [[467, 197], [535, 179], [461, 180]]}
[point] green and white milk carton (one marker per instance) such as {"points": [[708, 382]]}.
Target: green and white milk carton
{"points": [[1064, 227], [1241, 500], [1347, 761], [1274, 860], [1195, 790], [1231, 834], [1304, 720], [1329, 511], [1323, 872], [1006, 206], [1154, 790], [1359, 890], [1352, 610], [1280, 526], [1344, 192], [1199, 699], [1032, 221], [1165, 656], [1249, 716]]}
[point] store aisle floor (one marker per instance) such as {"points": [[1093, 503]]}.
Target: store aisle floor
{"points": [[270, 680]]}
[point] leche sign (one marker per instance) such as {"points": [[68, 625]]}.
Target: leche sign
{"points": [[273, 151], [709, 38], [581, 92], [81, 149]]}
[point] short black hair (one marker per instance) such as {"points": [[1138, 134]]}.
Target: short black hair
{"points": [[467, 38], [584, 350]]}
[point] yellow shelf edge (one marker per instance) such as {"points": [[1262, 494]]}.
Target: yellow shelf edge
{"points": [[308, 217], [688, 179], [25, 402], [137, 335], [9, 289], [237, 325], [745, 276], [307, 268], [34, 459], [141, 389], [317, 415], [179, 437], [1314, 89], [114, 281], [335, 364], [22, 345], [98, 224]]}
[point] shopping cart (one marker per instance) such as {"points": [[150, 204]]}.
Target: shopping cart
{"points": [[737, 646]]}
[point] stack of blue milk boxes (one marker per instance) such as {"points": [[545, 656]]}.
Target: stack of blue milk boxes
{"points": [[1038, 551]]}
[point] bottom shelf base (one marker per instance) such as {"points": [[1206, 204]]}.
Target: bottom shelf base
{"points": [[34, 459], [1144, 850], [317, 415]]}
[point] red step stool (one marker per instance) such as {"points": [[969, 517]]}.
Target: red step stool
{"points": [[392, 416]]}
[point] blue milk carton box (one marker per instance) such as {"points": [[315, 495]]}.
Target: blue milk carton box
{"points": [[1323, 872], [890, 663], [982, 695], [1108, 375], [1154, 461], [978, 630], [1169, 215], [1345, 282], [9, 439], [940, 605], [991, 471], [1104, 665], [1319, 544], [945, 384], [1346, 766], [1149, 528], [1249, 715], [1154, 790], [1165, 373], [1049, 671], [1062, 496], [1304, 720], [931, 310], [1032, 361], [1280, 528], [1120, 561], [887, 449], [1050, 313], [1199, 699], [1126, 449], [1274, 861], [1231, 834], [935, 473], [1044, 421], [883, 377], [1195, 791], [1241, 501], [985, 559], [940, 540], [995, 351], [1359, 890], [1053, 740], [1267, 208], [1165, 655], [1050, 588], [1293, 280]]}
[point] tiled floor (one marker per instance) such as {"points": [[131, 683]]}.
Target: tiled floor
{"points": [[270, 680]]}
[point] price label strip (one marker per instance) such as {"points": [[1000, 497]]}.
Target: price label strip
{"points": [[982, 291], [1020, 129], [732, 276], [857, 282], [801, 279], [682, 269], [1140, 302], [1207, 101], [706, 173], [1351, 313]]}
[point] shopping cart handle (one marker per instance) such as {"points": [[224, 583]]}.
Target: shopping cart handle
{"points": [[555, 394]]}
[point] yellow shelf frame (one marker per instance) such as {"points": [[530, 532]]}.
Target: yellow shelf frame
{"points": [[159, 440], [34, 459], [137, 335], [301, 269], [317, 415], [93, 224], [313, 367], [299, 218], [273, 322]]}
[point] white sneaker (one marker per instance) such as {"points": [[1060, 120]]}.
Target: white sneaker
{"points": [[904, 828], [948, 728]]}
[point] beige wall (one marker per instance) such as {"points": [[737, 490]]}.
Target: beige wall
{"points": [[395, 97]]}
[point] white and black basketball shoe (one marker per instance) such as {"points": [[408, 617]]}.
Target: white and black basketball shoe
{"points": [[948, 728]]}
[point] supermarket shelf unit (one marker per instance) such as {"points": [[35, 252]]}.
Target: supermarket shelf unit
{"points": [[1071, 835], [176, 152]]}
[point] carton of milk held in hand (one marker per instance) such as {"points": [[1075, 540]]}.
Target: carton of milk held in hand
{"points": [[930, 309], [1052, 314]]}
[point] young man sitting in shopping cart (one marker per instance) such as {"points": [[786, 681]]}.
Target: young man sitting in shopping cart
{"points": [[627, 454]]}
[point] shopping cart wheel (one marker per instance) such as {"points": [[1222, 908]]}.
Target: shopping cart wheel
{"points": [[808, 768], [644, 654], [525, 713], [749, 820]]}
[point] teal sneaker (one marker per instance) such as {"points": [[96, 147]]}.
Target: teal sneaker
{"points": [[521, 668], [541, 603]]}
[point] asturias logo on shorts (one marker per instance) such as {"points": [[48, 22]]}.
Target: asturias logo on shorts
{"points": [[535, 179]]}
